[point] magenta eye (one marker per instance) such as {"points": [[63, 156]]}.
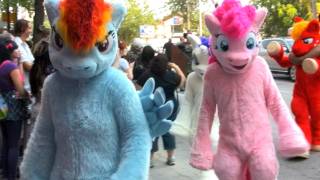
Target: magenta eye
{"points": [[58, 40], [103, 46], [106, 45]]}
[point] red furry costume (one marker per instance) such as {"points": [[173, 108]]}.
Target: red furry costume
{"points": [[305, 56]]}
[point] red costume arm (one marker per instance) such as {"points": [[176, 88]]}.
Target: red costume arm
{"points": [[281, 58], [318, 71]]}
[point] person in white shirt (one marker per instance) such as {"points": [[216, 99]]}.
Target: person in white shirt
{"points": [[22, 31]]}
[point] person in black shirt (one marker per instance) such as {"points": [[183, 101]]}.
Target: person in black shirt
{"points": [[142, 63], [185, 46], [167, 49], [170, 77]]}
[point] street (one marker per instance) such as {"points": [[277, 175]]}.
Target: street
{"points": [[295, 169]]}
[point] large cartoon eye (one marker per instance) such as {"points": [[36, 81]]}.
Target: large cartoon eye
{"points": [[308, 40], [222, 43], [251, 41], [58, 42], [106, 45], [103, 46]]}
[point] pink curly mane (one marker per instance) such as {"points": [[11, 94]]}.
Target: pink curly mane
{"points": [[235, 20]]}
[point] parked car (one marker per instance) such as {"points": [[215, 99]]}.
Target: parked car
{"points": [[274, 66]]}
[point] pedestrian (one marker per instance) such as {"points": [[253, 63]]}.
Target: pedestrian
{"points": [[142, 63], [185, 46], [22, 31], [135, 50], [168, 76], [12, 90], [123, 62], [167, 48]]}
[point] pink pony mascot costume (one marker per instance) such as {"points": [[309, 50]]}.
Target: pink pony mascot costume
{"points": [[242, 88]]}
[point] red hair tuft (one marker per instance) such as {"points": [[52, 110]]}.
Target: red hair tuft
{"points": [[82, 23]]}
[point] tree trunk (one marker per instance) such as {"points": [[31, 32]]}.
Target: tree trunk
{"points": [[38, 20], [188, 15], [314, 8], [8, 16]]}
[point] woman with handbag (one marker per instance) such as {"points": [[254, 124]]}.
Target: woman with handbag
{"points": [[12, 90]]}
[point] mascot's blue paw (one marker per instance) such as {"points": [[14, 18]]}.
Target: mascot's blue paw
{"points": [[155, 108]]}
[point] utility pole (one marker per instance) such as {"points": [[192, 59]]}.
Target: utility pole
{"points": [[314, 8]]}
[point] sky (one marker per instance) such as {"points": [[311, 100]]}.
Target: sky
{"points": [[160, 12]]}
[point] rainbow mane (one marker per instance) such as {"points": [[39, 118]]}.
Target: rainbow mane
{"points": [[298, 28], [235, 20], [82, 23]]}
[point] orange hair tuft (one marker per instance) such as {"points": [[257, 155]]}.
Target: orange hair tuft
{"points": [[82, 22], [298, 28]]}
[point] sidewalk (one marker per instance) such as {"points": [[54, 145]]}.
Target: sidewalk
{"points": [[182, 129], [182, 170]]}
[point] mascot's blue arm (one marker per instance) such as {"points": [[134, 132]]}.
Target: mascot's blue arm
{"points": [[155, 108]]}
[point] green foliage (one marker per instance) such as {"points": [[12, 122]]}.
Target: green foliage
{"points": [[180, 8], [281, 13], [28, 4], [136, 16]]}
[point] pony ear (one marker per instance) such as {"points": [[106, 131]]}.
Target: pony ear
{"points": [[194, 40], [297, 19], [52, 9], [212, 23], [118, 12], [313, 26], [260, 16]]}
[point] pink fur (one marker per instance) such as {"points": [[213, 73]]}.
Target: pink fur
{"points": [[235, 20], [241, 87]]}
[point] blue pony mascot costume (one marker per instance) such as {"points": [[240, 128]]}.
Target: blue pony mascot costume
{"points": [[92, 124]]}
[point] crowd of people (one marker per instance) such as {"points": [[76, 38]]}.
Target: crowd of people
{"points": [[25, 65]]}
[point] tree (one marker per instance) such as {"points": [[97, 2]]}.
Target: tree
{"points": [[38, 20], [187, 9], [281, 14], [7, 5], [134, 18]]}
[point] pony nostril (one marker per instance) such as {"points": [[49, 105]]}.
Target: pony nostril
{"points": [[86, 68]]}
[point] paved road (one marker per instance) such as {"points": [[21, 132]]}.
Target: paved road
{"points": [[289, 169]]}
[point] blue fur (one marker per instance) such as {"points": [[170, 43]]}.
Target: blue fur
{"points": [[155, 108], [92, 124], [85, 131]]}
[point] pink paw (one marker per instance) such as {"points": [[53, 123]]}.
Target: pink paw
{"points": [[292, 145], [201, 163]]}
